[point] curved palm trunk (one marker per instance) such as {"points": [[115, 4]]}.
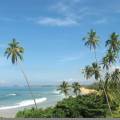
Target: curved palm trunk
{"points": [[103, 87], [27, 81], [106, 97]]}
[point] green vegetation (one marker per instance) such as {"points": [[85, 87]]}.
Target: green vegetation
{"points": [[79, 107], [76, 88], [107, 86], [64, 88], [104, 103]]}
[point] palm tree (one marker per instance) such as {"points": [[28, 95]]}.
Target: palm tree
{"points": [[109, 59], [87, 72], [107, 85], [105, 62], [64, 88], [76, 88], [92, 41], [92, 71], [95, 72], [15, 52], [115, 83], [115, 79], [113, 43]]}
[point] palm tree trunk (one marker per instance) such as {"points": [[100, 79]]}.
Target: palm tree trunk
{"points": [[95, 55], [27, 81], [106, 97], [104, 87]]}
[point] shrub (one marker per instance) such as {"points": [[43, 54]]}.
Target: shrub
{"points": [[87, 106]]}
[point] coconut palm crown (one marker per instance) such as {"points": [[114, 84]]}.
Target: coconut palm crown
{"points": [[76, 88], [91, 40], [15, 51], [64, 88], [114, 42], [92, 71]]}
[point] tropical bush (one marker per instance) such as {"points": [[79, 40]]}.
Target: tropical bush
{"points": [[87, 106]]}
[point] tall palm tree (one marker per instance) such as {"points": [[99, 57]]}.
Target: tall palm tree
{"points": [[15, 52], [64, 88], [95, 72], [92, 41], [76, 88], [114, 42]]}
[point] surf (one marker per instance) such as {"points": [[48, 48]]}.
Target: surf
{"points": [[24, 103]]}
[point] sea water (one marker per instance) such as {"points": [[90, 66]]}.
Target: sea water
{"points": [[16, 97]]}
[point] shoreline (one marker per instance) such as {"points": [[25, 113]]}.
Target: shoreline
{"points": [[10, 113]]}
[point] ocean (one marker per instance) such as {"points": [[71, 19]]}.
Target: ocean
{"points": [[17, 97]]}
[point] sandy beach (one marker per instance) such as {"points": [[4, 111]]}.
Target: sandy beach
{"points": [[9, 113]]}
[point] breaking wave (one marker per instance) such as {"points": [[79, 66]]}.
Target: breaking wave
{"points": [[13, 94], [24, 103]]}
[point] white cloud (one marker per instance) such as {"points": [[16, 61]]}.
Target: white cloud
{"points": [[57, 21]]}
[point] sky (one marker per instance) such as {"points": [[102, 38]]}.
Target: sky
{"points": [[51, 33]]}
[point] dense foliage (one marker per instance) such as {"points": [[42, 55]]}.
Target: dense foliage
{"points": [[87, 106]]}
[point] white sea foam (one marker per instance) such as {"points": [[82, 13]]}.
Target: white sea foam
{"points": [[24, 103], [56, 92], [13, 94]]}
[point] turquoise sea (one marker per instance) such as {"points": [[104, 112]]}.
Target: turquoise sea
{"points": [[16, 97]]}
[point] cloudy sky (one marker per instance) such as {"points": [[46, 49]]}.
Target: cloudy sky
{"points": [[51, 32]]}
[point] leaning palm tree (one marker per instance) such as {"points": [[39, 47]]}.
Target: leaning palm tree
{"points": [[15, 52], [64, 88], [108, 90], [95, 72], [76, 88], [92, 41], [115, 83]]}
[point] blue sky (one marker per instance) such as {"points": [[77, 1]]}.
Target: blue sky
{"points": [[51, 32]]}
